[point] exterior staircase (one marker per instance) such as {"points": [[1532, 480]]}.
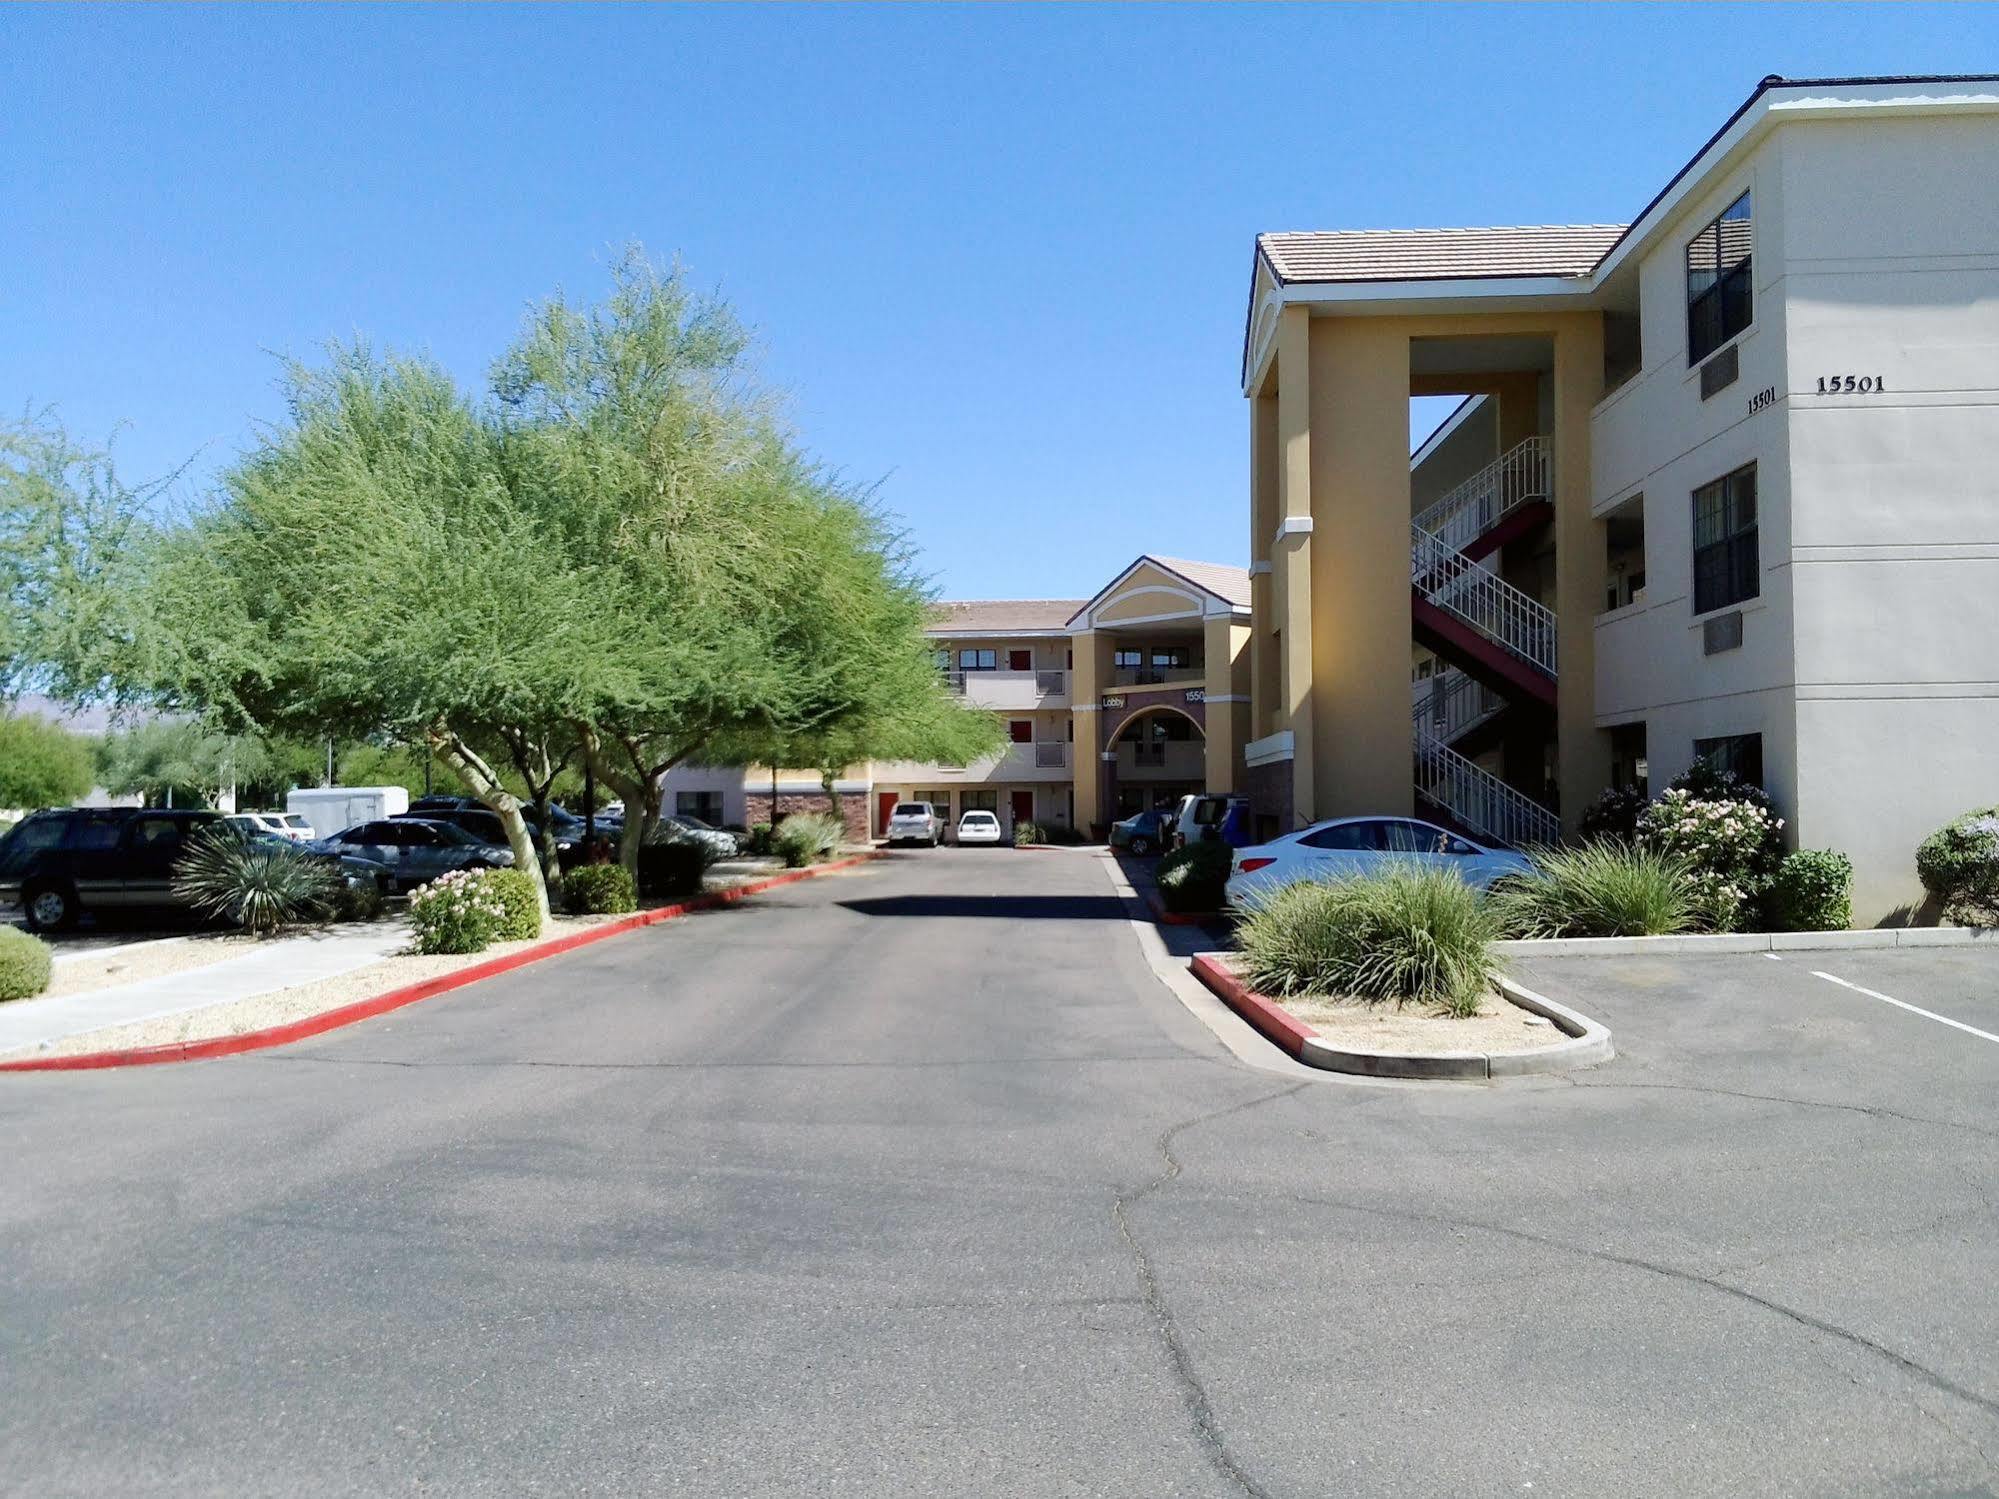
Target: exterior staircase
{"points": [[1501, 640]]}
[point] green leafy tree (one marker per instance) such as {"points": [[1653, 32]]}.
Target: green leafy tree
{"points": [[41, 764], [179, 761]]}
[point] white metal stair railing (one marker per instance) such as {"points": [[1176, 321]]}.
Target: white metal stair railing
{"points": [[1451, 704], [1470, 508], [1478, 798], [1481, 598]]}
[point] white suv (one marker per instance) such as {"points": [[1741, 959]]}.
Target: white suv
{"points": [[914, 822]]}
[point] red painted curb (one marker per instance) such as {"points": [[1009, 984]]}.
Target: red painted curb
{"points": [[409, 994], [1276, 1023]]}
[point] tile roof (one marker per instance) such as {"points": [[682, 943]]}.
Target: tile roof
{"points": [[1003, 616], [1438, 254], [1223, 581]]}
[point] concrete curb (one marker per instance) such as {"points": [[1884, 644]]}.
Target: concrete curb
{"points": [[1589, 1043], [409, 994], [1740, 942]]}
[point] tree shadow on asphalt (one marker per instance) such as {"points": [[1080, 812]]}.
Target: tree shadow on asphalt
{"points": [[1000, 907]]}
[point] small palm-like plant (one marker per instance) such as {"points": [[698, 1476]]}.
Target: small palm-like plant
{"points": [[261, 884], [1601, 889]]}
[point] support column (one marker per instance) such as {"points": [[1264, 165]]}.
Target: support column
{"points": [[1226, 645], [1360, 568], [1582, 749], [1263, 513], [1091, 653], [1291, 551]]}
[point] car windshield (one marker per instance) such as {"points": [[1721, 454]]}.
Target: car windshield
{"points": [[910, 809], [981, 818]]}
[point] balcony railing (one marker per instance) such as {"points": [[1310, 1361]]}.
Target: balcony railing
{"points": [[1011, 689], [1050, 755], [1155, 676]]}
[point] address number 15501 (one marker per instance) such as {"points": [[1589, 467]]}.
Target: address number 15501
{"points": [[1847, 385]]}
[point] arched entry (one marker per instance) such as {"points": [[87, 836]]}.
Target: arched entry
{"points": [[1154, 753]]}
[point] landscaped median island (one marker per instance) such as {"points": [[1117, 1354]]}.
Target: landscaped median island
{"points": [[472, 934], [1393, 975]]}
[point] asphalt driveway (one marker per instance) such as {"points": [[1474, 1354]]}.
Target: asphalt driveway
{"points": [[917, 1180]]}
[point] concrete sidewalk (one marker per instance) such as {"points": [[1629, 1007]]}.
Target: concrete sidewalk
{"points": [[282, 963]]}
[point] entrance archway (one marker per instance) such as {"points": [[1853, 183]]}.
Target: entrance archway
{"points": [[1154, 753]]}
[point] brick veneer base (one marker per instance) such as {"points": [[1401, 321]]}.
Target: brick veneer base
{"points": [[853, 808]]}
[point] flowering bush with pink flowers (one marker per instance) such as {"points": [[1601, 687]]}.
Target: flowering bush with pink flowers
{"points": [[457, 913], [1731, 844]]}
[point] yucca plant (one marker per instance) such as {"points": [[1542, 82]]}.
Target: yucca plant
{"points": [[1411, 935], [261, 884], [1602, 888]]}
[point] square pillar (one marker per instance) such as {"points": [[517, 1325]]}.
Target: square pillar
{"points": [[1360, 569], [1226, 645], [1091, 653], [1582, 750], [1291, 549]]}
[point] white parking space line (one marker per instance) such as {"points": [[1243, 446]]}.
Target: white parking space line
{"points": [[1901, 1004]]}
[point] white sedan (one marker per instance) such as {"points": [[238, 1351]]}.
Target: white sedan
{"points": [[1348, 846], [979, 827]]}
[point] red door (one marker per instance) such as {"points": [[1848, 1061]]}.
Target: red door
{"points": [[1020, 660], [884, 804], [1023, 807]]}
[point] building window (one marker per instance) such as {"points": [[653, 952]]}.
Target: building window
{"points": [[706, 805], [1020, 730], [944, 662], [1725, 563], [1739, 755], [978, 660], [1169, 658], [1719, 299], [1127, 660], [977, 801]]}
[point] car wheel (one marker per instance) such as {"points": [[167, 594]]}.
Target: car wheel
{"points": [[1141, 845], [50, 908]]}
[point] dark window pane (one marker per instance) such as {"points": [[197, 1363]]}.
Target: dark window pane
{"points": [[1345, 837]]}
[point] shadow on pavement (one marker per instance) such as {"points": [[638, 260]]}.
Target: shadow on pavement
{"points": [[1002, 907]]}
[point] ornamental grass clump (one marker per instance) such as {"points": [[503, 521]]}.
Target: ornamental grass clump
{"points": [[260, 884], [25, 964], [1411, 935], [1602, 888], [459, 912], [807, 837]]}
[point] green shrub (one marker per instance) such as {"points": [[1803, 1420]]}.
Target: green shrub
{"points": [[806, 837], [25, 964], [456, 913], [1813, 892], [1027, 834], [599, 890], [1411, 935], [1195, 876], [356, 900], [1614, 814], [759, 844], [520, 918], [1959, 865], [1731, 843], [1602, 888], [260, 884], [673, 867]]}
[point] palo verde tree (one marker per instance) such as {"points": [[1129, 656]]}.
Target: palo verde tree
{"points": [[364, 572], [42, 764]]}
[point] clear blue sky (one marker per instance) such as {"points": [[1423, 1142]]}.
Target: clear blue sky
{"points": [[998, 256]]}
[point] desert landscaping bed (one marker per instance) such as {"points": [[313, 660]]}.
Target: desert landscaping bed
{"points": [[1410, 1030]]}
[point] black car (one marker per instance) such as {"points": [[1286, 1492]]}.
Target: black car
{"points": [[415, 850], [102, 859], [483, 823]]}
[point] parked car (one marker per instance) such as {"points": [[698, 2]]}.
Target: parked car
{"points": [[1347, 846], [483, 823], [416, 850], [680, 826], [288, 825], [353, 869], [1144, 833], [979, 826], [60, 864], [914, 822], [1212, 815]]}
